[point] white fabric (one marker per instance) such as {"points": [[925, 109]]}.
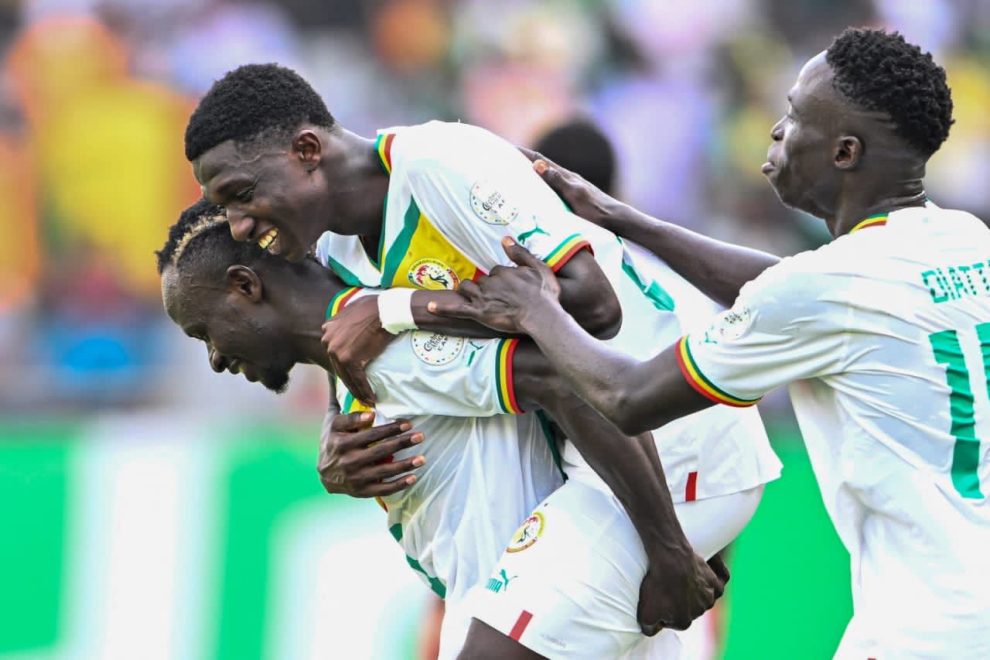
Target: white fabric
{"points": [[395, 310], [862, 325], [579, 570]]}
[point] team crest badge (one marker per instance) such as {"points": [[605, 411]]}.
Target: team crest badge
{"points": [[490, 205], [730, 324], [527, 534], [436, 349], [432, 275]]}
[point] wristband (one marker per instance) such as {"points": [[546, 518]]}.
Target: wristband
{"points": [[395, 310]]}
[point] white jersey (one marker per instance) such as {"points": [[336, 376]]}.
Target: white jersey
{"points": [[455, 191], [483, 474], [886, 332]]}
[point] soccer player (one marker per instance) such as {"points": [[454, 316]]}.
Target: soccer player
{"points": [[258, 316], [883, 336], [264, 145]]}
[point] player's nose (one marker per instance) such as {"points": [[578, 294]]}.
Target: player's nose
{"points": [[242, 225], [218, 361]]}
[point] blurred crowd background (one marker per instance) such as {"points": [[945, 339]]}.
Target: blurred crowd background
{"points": [[94, 96]]}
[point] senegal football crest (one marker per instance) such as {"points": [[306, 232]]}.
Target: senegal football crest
{"points": [[527, 534], [433, 275]]}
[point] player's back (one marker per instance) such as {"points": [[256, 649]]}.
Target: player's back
{"points": [[894, 422]]}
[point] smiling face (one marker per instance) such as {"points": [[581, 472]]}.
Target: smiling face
{"points": [[241, 331], [274, 197], [801, 159]]}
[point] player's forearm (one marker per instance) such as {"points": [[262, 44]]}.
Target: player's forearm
{"points": [[446, 325], [632, 395], [718, 268], [595, 311]]}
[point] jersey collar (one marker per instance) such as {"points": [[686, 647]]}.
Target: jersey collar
{"points": [[875, 220], [880, 219]]}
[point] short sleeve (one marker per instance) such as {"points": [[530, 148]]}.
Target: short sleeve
{"points": [[785, 326], [428, 373], [476, 188]]}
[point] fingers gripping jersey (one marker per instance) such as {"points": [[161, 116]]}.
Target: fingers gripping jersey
{"points": [[887, 332], [455, 191]]}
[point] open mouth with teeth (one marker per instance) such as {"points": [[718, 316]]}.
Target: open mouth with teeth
{"points": [[268, 238]]}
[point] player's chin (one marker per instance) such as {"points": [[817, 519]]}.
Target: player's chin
{"points": [[276, 380]]}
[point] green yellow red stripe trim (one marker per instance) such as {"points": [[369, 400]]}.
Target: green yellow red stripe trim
{"points": [[563, 252], [340, 299], [877, 220], [503, 377], [697, 380], [383, 145]]}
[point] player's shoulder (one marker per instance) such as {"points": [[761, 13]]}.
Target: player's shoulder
{"points": [[446, 145]]}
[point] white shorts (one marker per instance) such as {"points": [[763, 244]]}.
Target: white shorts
{"points": [[568, 584]]}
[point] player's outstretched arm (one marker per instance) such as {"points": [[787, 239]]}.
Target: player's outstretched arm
{"points": [[679, 586], [633, 395], [718, 268]]}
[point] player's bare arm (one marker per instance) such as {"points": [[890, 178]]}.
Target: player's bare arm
{"points": [[719, 269], [354, 337], [635, 396], [679, 586]]}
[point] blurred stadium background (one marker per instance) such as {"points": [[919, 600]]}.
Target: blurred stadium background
{"points": [[152, 509]]}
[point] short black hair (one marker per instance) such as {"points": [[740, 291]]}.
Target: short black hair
{"points": [[201, 238], [880, 71], [579, 145], [252, 101]]}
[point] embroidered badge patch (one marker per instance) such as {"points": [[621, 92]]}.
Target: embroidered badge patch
{"points": [[490, 205], [433, 275], [528, 533], [730, 324], [436, 349]]}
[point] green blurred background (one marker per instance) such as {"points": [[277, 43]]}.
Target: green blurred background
{"points": [[218, 542]]}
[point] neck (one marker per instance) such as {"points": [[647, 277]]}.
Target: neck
{"points": [[358, 184], [304, 295], [883, 194]]}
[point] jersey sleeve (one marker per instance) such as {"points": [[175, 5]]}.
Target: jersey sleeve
{"points": [[785, 326], [476, 188], [428, 373]]}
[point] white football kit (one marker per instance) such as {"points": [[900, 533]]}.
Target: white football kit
{"points": [[455, 190], [885, 336], [483, 474]]}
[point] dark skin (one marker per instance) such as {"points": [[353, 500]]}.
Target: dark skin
{"points": [[285, 196], [257, 319], [827, 157]]}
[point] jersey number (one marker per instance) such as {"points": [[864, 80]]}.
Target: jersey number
{"points": [[966, 452]]}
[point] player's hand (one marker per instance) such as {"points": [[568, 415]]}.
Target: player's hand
{"points": [[585, 199], [503, 299], [672, 597], [356, 458], [352, 339]]}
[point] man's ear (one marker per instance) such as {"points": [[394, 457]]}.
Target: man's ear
{"points": [[308, 148], [244, 281], [848, 152]]}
